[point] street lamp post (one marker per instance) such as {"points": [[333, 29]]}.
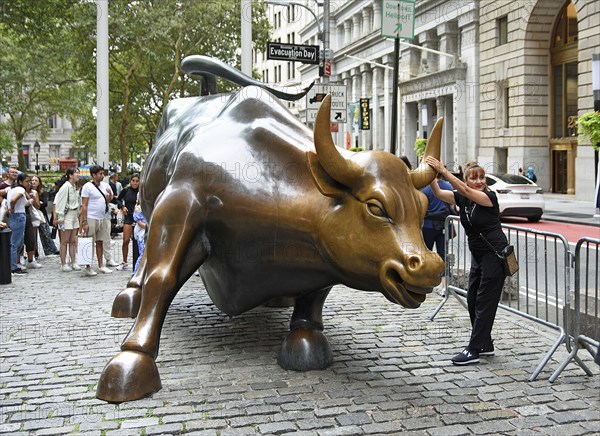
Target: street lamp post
{"points": [[322, 35], [36, 149]]}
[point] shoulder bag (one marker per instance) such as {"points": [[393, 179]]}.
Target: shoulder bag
{"points": [[510, 264]]}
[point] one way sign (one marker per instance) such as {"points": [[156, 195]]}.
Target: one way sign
{"points": [[339, 102]]}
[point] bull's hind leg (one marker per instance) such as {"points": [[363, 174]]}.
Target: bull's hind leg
{"points": [[174, 250], [306, 347], [127, 303]]}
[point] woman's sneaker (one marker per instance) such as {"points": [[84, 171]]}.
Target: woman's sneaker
{"points": [[66, 268], [19, 271], [76, 267], [123, 267], [487, 351], [33, 264], [465, 357]]}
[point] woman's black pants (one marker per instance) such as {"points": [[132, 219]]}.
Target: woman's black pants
{"points": [[486, 280]]}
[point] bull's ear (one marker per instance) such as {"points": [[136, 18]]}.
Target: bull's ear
{"points": [[326, 184]]}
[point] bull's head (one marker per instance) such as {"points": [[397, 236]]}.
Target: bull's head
{"points": [[373, 233]]}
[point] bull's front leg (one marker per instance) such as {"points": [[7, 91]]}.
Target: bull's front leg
{"points": [[127, 302], [173, 253], [306, 348]]}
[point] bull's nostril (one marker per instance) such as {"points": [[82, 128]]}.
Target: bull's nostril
{"points": [[414, 263]]}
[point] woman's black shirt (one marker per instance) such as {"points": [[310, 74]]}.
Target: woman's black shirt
{"points": [[481, 219]]}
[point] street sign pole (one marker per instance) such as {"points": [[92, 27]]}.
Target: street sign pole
{"points": [[395, 95], [398, 21]]}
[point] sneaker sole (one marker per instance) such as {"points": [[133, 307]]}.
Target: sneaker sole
{"points": [[486, 353], [466, 363]]}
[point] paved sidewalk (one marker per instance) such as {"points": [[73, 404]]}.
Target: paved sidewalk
{"points": [[565, 208], [220, 375]]}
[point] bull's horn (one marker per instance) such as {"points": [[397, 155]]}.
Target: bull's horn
{"points": [[339, 168], [423, 175]]}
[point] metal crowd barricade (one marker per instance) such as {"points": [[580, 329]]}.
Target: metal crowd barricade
{"points": [[586, 325], [540, 291]]}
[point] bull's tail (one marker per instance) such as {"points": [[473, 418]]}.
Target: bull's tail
{"points": [[205, 66]]}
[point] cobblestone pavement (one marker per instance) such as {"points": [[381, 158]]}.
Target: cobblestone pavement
{"points": [[220, 375]]}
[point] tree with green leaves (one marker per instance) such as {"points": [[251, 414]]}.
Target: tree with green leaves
{"points": [[148, 40], [36, 78]]}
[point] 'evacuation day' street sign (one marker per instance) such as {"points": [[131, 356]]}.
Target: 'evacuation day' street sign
{"points": [[398, 19], [307, 54]]}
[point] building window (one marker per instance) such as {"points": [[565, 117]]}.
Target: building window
{"points": [[54, 151], [502, 30], [566, 27], [53, 122], [563, 54]]}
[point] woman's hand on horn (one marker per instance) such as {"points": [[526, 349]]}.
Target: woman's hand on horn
{"points": [[437, 165]]}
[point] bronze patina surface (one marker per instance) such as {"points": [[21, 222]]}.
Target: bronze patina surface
{"points": [[238, 188]]}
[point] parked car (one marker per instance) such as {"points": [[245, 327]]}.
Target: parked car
{"points": [[134, 166], [517, 196]]}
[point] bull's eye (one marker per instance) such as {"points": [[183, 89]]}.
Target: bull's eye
{"points": [[376, 209]]}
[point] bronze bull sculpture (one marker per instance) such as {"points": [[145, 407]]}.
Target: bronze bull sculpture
{"points": [[237, 171]]}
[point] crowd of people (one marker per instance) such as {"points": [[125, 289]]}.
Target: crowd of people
{"points": [[79, 208]]}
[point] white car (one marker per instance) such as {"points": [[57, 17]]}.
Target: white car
{"points": [[517, 196], [134, 166]]}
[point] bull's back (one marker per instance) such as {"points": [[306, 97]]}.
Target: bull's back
{"points": [[242, 133]]}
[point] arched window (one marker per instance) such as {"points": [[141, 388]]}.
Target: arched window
{"points": [[563, 99], [564, 72]]}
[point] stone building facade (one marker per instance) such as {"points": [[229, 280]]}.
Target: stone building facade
{"points": [[535, 77], [510, 79]]}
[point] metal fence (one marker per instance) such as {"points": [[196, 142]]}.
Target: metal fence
{"points": [[585, 326], [541, 290]]}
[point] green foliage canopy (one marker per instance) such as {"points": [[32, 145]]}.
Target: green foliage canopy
{"points": [[47, 53]]}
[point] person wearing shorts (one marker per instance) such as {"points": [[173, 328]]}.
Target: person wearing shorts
{"points": [[66, 211], [95, 196]]}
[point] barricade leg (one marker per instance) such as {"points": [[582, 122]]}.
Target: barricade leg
{"points": [[573, 356], [449, 290], [548, 355]]}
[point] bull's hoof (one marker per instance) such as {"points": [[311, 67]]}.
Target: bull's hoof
{"points": [[127, 303], [305, 350], [129, 376]]}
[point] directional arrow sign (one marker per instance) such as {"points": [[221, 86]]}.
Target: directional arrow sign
{"points": [[339, 102], [398, 19]]}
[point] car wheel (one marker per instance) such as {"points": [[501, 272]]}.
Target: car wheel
{"points": [[534, 219]]}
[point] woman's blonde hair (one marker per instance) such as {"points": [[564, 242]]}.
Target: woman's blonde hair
{"points": [[470, 166]]}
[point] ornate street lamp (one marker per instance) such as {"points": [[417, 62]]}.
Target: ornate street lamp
{"points": [[36, 149]]}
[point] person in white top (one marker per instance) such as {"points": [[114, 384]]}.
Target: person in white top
{"points": [[66, 207], [95, 196], [17, 200]]}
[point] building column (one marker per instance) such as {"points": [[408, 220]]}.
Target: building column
{"points": [[459, 104], [346, 128], [367, 25], [448, 35], [356, 27], [375, 121], [410, 130], [470, 88], [429, 40], [376, 14], [347, 32]]}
